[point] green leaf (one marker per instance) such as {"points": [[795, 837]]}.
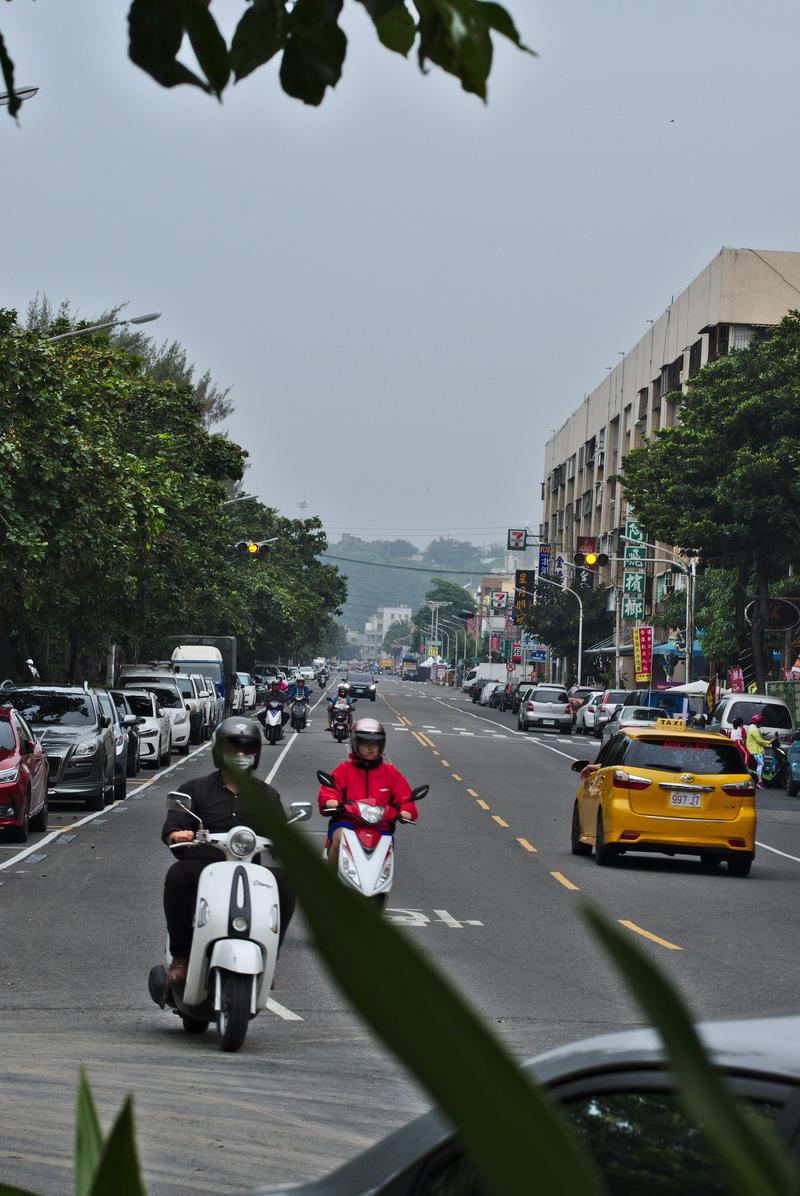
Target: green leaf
{"points": [[155, 33], [260, 34], [7, 67], [119, 1173], [750, 1153], [207, 42], [88, 1139], [394, 24], [496, 17], [8, 1190], [510, 1128], [315, 50]]}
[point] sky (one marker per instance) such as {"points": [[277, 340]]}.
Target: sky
{"points": [[405, 289]]}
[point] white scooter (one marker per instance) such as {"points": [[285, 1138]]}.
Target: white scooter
{"points": [[236, 933], [366, 856], [272, 718]]}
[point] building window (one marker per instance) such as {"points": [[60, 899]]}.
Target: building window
{"points": [[641, 413], [718, 340], [741, 336], [695, 358]]}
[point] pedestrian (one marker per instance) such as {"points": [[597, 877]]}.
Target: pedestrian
{"points": [[739, 736]]}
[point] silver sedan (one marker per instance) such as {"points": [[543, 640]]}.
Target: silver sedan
{"points": [[631, 716]]}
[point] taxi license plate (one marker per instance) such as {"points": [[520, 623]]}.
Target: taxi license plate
{"points": [[685, 799], [548, 722]]}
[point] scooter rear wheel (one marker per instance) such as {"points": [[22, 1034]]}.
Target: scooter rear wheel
{"points": [[234, 1015]]}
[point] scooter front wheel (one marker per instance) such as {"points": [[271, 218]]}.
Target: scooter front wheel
{"points": [[234, 1013], [194, 1025]]}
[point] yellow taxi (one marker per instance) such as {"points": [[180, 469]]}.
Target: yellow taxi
{"points": [[666, 789]]}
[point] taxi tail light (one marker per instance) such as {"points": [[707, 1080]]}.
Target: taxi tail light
{"points": [[740, 789], [629, 780]]}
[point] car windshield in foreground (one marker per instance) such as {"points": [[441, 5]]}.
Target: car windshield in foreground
{"points": [[7, 742], [48, 708], [697, 756], [141, 705]]}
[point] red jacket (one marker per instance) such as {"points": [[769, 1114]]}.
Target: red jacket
{"points": [[378, 783]]}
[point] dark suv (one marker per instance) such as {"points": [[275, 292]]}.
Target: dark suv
{"points": [[76, 737]]}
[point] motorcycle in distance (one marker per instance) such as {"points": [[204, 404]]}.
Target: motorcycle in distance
{"points": [[775, 762], [366, 857], [298, 715], [271, 718], [341, 720], [235, 942], [322, 680]]}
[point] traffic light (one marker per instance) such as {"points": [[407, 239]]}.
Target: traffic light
{"points": [[251, 549], [591, 559]]}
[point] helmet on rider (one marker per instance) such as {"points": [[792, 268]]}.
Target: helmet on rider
{"points": [[237, 741], [343, 689], [367, 731], [757, 719]]}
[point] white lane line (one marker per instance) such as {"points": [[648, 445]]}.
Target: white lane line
{"points": [[785, 854], [468, 734], [15, 859], [293, 739], [288, 1015]]}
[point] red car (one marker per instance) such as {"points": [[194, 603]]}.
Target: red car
{"points": [[23, 778]]}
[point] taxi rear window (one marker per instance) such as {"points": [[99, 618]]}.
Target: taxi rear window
{"points": [[685, 755]]}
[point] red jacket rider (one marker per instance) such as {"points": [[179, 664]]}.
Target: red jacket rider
{"points": [[367, 777]]}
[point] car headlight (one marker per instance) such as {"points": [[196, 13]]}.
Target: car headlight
{"points": [[242, 842], [86, 747], [7, 775], [373, 687]]}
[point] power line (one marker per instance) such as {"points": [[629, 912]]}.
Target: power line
{"points": [[431, 572]]}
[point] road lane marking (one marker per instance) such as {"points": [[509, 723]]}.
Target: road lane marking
{"points": [[785, 854], [455, 776], [448, 919], [472, 793], [294, 737], [288, 1015], [500, 821], [445, 763], [467, 734], [562, 880], [528, 846], [419, 739], [484, 805], [654, 938], [427, 741]]}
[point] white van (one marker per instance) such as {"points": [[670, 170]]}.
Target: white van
{"points": [[776, 714]]}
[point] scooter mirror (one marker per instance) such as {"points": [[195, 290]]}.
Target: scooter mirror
{"points": [[325, 778], [179, 801], [578, 765], [300, 811], [418, 793]]}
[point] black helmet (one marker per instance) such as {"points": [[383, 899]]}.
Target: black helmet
{"points": [[367, 730], [237, 737]]}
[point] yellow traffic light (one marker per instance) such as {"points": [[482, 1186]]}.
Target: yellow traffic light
{"points": [[252, 548], [591, 558]]}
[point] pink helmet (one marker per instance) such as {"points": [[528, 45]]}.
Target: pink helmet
{"points": [[367, 730], [757, 719]]}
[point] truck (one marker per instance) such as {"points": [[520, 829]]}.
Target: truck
{"points": [[409, 666], [491, 672], [212, 656]]}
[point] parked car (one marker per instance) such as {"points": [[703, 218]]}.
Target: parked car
{"points": [[248, 691], [670, 791], [172, 702], [154, 726], [584, 719], [631, 716], [497, 696], [548, 708], [76, 737], [23, 778], [487, 691], [605, 707], [578, 695], [776, 715], [618, 1093], [122, 743], [521, 695], [197, 704], [127, 713], [362, 685], [207, 694]]}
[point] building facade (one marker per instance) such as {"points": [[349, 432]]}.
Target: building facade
{"points": [[740, 292], [376, 627]]}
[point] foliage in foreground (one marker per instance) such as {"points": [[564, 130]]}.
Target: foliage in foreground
{"points": [[505, 1121]]}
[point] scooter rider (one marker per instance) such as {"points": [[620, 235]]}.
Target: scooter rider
{"points": [[365, 774], [298, 691], [756, 744], [342, 694], [214, 800], [277, 694]]}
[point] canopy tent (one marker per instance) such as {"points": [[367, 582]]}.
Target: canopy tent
{"points": [[694, 688]]}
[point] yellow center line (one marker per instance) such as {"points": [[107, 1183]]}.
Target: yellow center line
{"points": [[419, 739], [429, 742], [445, 763], [435, 752], [528, 846], [500, 821], [472, 793], [654, 938], [407, 721], [455, 776], [484, 805], [562, 880]]}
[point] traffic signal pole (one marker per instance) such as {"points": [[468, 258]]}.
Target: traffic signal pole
{"points": [[577, 597]]}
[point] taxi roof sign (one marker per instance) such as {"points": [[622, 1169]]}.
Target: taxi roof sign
{"points": [[673, 724]]}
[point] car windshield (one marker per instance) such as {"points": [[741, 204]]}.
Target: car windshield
{"points": [[360, 678], [7, 742], [141, 705], [612, 696], [772, 714], [49, 708], [643, 714], [698, 756], [107, 706], [185, 686], [168, 698]]}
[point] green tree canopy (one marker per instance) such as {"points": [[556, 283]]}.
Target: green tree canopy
{"points": [[554, 620]]}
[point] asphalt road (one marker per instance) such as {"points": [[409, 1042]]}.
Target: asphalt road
{"points": [[485, 881]]}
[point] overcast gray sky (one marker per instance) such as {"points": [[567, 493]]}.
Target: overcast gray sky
{"points": [[406, 290]]}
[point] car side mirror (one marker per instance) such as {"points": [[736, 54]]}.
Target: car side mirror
{"points": [[105, 721], [129, 720], [420, 792], [300, 811], [579, 765], [326, 779], [29, 745]]}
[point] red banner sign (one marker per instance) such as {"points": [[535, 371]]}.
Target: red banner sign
{"points": [[736, 680], [643, 654]]}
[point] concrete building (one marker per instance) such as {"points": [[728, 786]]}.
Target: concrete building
{"points": [[376, 627], [740, 292]]}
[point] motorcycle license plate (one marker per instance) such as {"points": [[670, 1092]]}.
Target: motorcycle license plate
{"points": [[548, 722], [691, 800]]}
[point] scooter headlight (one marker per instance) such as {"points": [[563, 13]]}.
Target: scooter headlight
{"points": [[371, 814], [242, 842]]}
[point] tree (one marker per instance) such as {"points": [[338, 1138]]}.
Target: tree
{"points": [[554, 619], [455, 35], [399, 630], [724, 481], [445, 553]]}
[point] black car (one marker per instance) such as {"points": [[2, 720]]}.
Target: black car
{"points": [[77, 738], [619, 1093], [362, 685]]}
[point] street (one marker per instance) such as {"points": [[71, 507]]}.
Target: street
{"points": [[485, 880]]}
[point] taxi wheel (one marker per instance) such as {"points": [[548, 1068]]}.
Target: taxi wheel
{"points": [[578, 848], [740, 865], [604, 853]]}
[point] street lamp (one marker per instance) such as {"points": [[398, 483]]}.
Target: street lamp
{"points": [[153, 315], [239, 498], [20, 93], [577, 596]]}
